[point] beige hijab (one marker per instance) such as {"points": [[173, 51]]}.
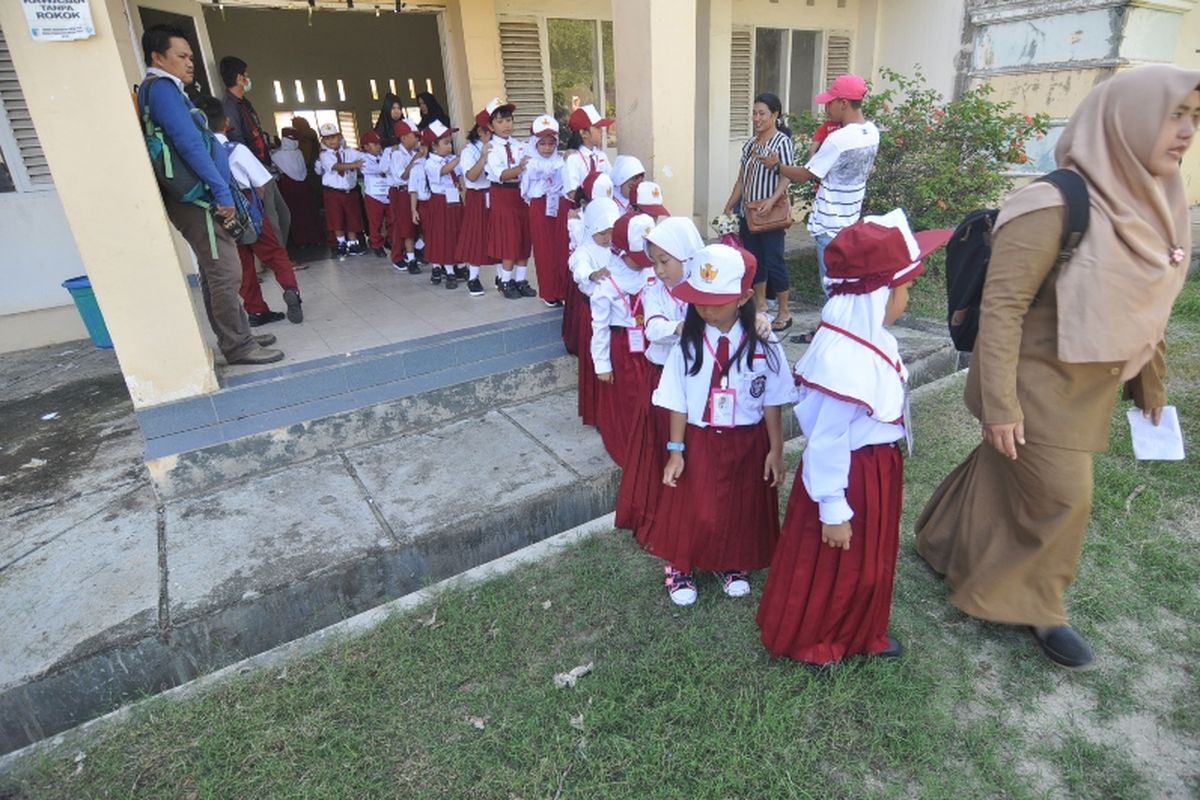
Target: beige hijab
{"points": [[1115, 295]]}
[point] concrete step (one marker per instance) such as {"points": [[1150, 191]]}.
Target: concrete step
{"points": [[143, 593]]}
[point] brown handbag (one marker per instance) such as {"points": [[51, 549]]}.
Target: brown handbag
{"points": [[777, 218]]}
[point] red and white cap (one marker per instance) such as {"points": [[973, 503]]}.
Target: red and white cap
{"points": [[436, 130], [629, 235], [649, 198], [496, 104], [402, 128], [716, 274], [586, 117], [597, 185], [328, 129], [878, 251], [545, 125]]}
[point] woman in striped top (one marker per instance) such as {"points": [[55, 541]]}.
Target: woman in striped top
{"points": [[756, 181]]}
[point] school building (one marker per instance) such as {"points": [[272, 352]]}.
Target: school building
{"points": [[77, 194]]}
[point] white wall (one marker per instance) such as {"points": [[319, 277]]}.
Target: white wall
{"points": [[925, 32], [37, 252]]}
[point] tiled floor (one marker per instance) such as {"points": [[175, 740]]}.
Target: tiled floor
{"points": [[363, 302]]}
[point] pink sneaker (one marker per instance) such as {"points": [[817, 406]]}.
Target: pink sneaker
{"points": [[735, 583], [681, 586]]}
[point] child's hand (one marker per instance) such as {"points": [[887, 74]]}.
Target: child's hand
{"points": [[573, 214], [599, 275], [416, 218], [762, 324], [773, 468], [673, 469], [836, 535], [604, 377]]}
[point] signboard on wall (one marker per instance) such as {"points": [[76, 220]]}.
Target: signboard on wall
{"points": [[59, 20]]}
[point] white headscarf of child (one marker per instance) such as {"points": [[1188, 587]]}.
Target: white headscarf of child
{"points": [[289, 159], [678, 236], [624, 168]]}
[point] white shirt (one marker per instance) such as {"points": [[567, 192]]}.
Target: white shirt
{"points": [[342, 181], [615, 301], [418, 181], [688, 394], [398, 161], [587, 258], [247, 171], [843, 164], [578, 164], [376, 171], [499, 161], [439, 183], [542, 177], [663, 315], [470, 157], [835, 428]]}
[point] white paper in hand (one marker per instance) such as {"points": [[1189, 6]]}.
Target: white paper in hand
{"points": [[1162, 442]]}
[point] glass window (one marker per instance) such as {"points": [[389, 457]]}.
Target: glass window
{"points": [[802, 87], [768, 61]]}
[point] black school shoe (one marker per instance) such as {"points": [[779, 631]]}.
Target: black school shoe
{"points": [[379, 251], [451, 280], [339, 250], [894, 649], [510, 290], [475, 288], [1064, 646], [295, 313], [413, 268], [435, 275], [355, 249], [525, 289], [265, 318]]}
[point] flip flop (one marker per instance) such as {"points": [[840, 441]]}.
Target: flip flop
{"points": [[804, 338], [777, 328]]}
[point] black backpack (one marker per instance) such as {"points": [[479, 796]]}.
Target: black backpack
{"points": [[970, 249]]}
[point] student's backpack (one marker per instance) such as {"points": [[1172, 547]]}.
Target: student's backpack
{"points": [[249, 212], [175, 177], [970, 249]]}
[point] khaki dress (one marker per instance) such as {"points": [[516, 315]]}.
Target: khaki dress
{"points": [[1007, 534]]}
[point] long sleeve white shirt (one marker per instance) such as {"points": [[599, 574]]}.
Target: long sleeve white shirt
{"points": [[342, 181], [470, 157], [418, 181], [616, 302], [248, 172], [444, 185], [376, 172], [398, 160], [588, 258], [503, 155], [663, 315]]}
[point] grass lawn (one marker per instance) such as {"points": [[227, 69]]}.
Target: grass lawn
{"points": [[926, 297], [685, 703]]}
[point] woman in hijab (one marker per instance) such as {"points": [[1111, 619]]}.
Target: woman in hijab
{"points": [[431, 109], [390, 113], [310, 144], [306, 229], [1006, 527]]}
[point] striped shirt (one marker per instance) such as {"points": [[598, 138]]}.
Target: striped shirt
{"points": [[843, 164], [759, 182]]}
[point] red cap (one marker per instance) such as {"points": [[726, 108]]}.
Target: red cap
{"points": [[483, 119], [435, 131], [877, 252], [844, 87], [586, 117], [402, 128], [717, 274], [648, 198], [370, 137], [633, 246]]}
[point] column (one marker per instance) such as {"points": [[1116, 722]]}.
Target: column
{"points": [[471, 46]]}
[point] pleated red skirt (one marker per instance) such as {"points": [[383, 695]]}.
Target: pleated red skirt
{"points": [[821, 604], [306, 230], [473, 239], [587, 383], [442, 222], [619, 404], [577, 311], [548, 258], [400, 221], [508, 224], [572, 297], [721, 515], [641, 478]]}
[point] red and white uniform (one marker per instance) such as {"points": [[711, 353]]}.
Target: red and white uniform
{"points": [[473, 239], [444, 212], [376, 172], [340, 189], [618, 346], [399, 203], [508, 219]]}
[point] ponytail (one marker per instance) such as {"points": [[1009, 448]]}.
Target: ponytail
{"points": [[575, 140]]}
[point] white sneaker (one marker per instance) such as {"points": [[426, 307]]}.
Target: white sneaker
{"points": [[681, 586], [735, 583]]}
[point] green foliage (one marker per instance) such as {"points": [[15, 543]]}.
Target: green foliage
{"points": [[937, 160]]}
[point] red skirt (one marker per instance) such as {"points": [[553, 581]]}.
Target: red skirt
{"points": [[572, 297], [549, 260], [641, 479], [400, 222], [822, 604], [473, 240], [508, 223], [306, 230], [587, 386], [721, 515], [441, 229], [619, 404]]}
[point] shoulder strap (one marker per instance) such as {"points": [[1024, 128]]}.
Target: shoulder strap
{"points": [[1075, 194]]}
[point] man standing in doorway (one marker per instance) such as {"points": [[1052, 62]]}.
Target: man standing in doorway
{"points": [[245, 127], [168, 58]]}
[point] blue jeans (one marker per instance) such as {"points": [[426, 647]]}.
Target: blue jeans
{"points": [[822, 240]]}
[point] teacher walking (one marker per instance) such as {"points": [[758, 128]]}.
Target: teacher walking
{"points": [[758, 182], [1006, 527]]}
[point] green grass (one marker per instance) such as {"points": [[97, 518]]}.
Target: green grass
{"points": [[685, 703], [926, 298]]}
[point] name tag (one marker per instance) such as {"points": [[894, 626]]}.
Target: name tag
{"points": [[637, 339], [452, 195], [552, 205], [722, 404]]}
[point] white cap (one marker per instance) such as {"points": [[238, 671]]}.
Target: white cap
{"points": [[716, 274], [544, 124], [496, 103], [328, 129]]}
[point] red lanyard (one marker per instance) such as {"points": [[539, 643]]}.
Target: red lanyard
{"points": [[632, 307]]}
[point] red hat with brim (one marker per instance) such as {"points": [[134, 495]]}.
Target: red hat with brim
{"points": [[586, 117], [620, 240], [844, 87], [435, 131], [869, 255], [483, 119], [402, 128], [370, 137], [717, 274]]}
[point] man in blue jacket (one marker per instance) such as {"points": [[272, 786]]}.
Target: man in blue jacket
{"points": [[168, 57]]}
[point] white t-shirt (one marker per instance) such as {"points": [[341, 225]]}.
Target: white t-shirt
{"points": [[470, 157], [376, 171], [247, 170], [502, 156], [342, 181], [843, 164], [577, 164]]}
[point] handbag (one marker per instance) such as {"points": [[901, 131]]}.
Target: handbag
{"points": [[759, 219]]}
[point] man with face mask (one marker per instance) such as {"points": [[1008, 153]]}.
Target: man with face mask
{"points": [[245, 127]]}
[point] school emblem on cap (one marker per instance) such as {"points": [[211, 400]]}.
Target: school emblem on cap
{"points": [[758, 386], [708, 273], [655, 193]]}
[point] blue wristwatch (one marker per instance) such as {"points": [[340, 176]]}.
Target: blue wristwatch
{"points": [[676, 447]]}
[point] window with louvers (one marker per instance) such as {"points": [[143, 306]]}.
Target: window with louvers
{"points": [[28, 161], [837, 55], [524, 76], [741, 79]]}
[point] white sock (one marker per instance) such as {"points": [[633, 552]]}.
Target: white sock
{"points": [[521, 269], [505, 274], [474, 271], [410, 256], [341, 239]]}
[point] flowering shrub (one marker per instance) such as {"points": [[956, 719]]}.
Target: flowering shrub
{"points": [[938, 161]]}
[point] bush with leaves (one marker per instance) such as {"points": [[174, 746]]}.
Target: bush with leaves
{"points": [[937, 160]]}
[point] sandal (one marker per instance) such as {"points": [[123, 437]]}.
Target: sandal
{"points": [[778, 327], [804, 338]]}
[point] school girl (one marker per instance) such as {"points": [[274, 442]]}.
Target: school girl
{"points": [[443, 215], [376, 169], [473, 240], [508, 240], [618, 345], [306, 230], [627, 173], [577, 315], [418, 197], [338, 167], [401, 224], [725, 387], [668, 245], [829, 592], [592, 262], [541, 188]]}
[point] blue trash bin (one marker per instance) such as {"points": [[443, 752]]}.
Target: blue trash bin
{"points": [[85, 300]]}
